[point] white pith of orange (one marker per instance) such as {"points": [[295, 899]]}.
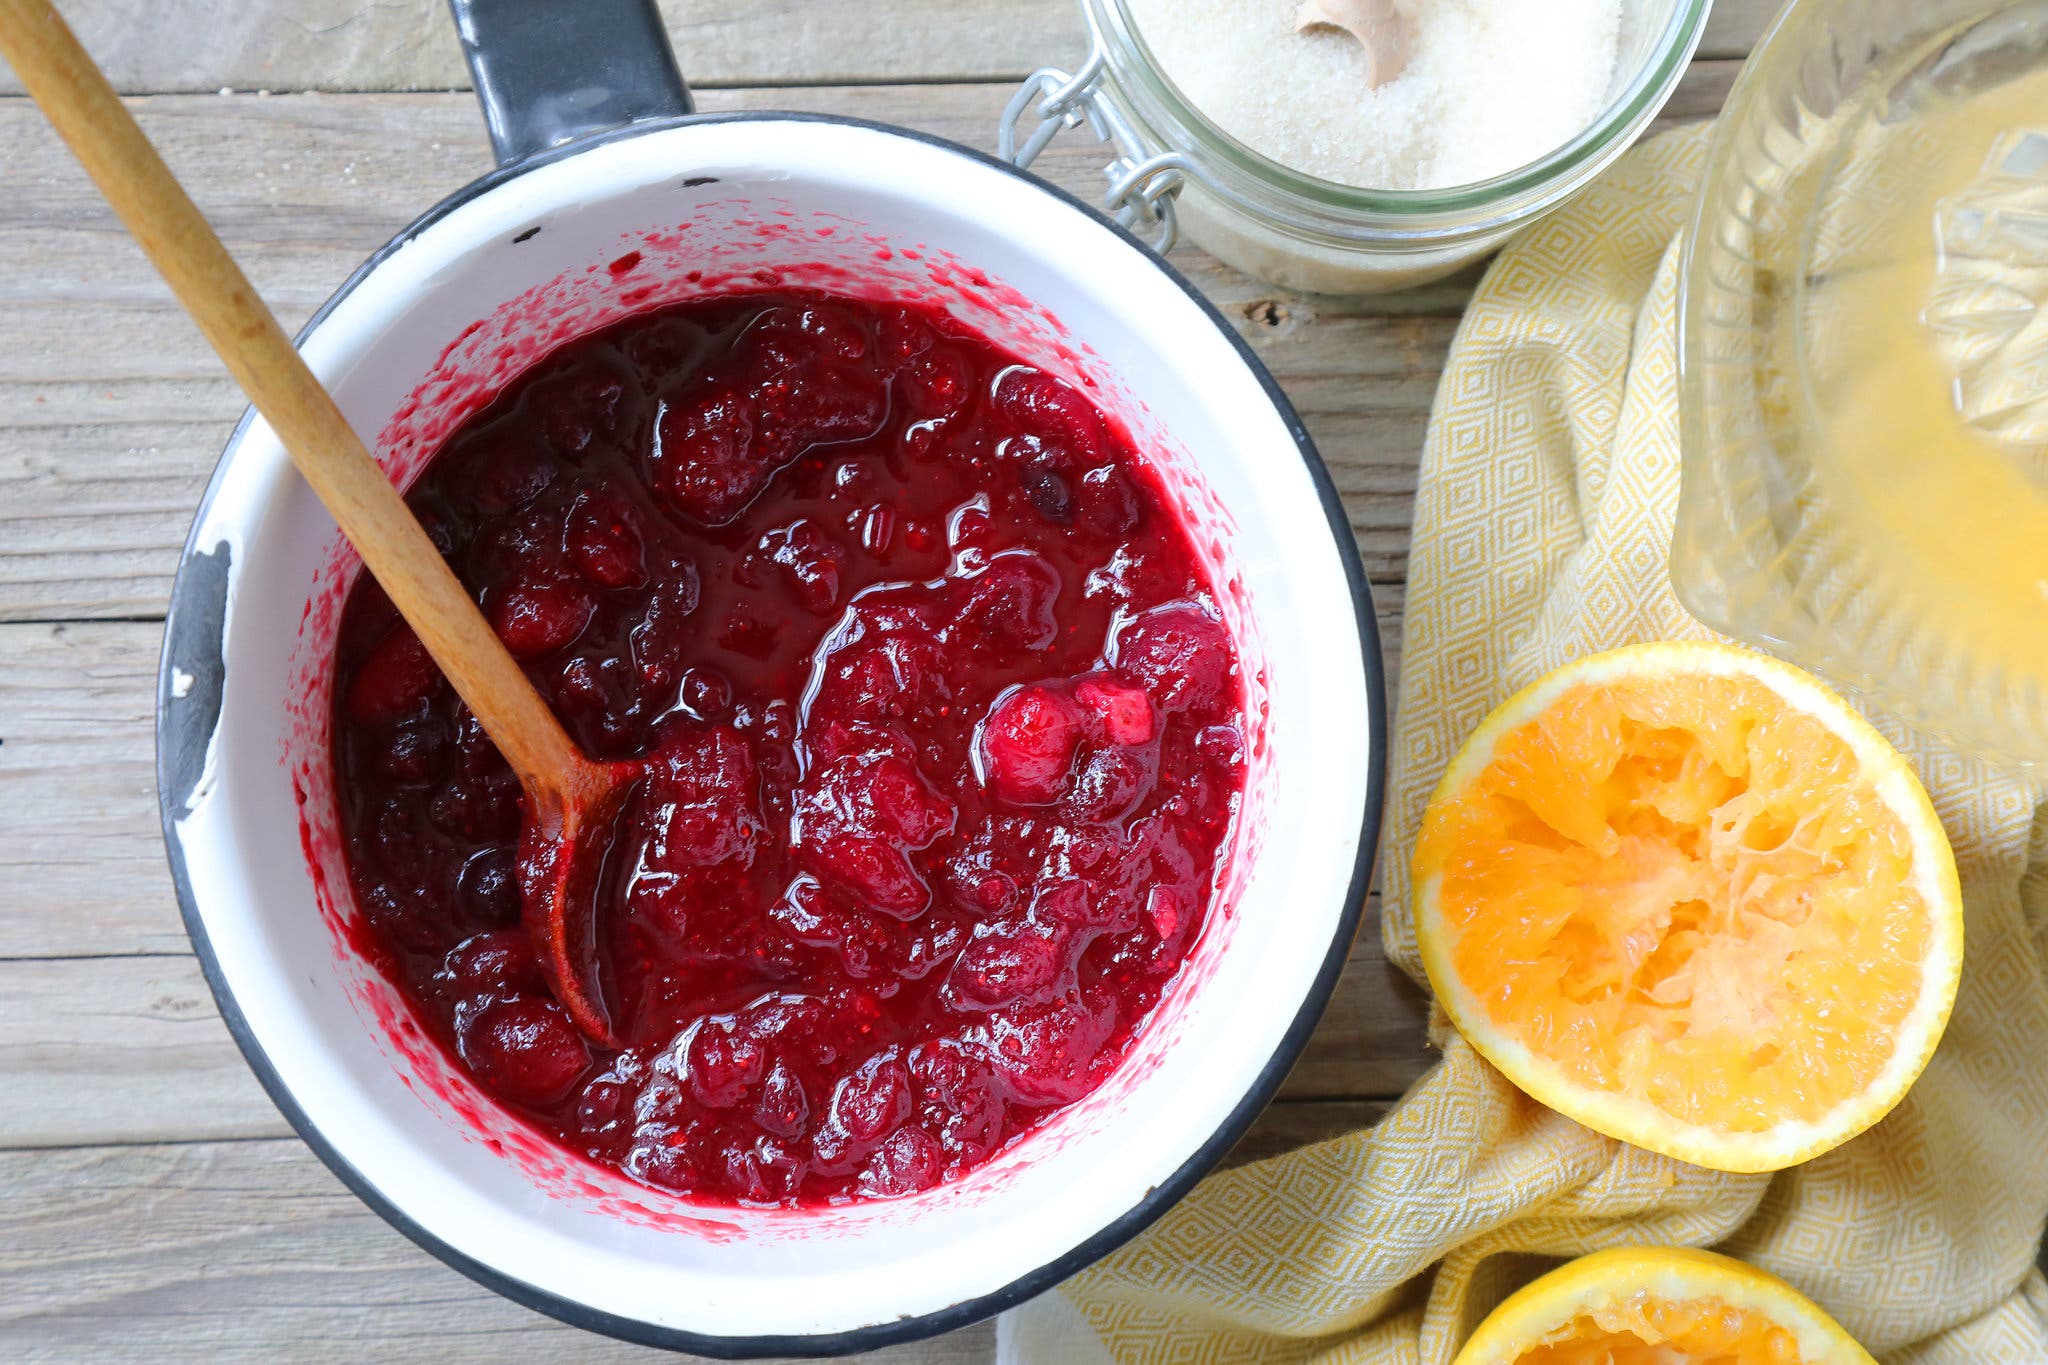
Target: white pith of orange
{"points": [[1631, 1117], [1612, 1287]]}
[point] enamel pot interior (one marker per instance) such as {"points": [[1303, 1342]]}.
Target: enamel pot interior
{"points": [[423, 336]]}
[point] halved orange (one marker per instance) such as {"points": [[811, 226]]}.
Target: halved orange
{"points": [[1660, 1306], [1684, 894]]}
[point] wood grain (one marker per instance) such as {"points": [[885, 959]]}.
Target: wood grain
{"points": [[112, 410], [121, 1050], [1290, 1126], [252, 1251], [79, 849], [114, 1036], [155, 1206], [375, 45], [560, 783], [79, 846], [131, 1050]]}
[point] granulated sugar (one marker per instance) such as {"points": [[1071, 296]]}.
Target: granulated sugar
{"points": [[1490, 84]]}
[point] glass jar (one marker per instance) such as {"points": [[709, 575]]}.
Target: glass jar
{"points": [[1175, 170], [1864, 371]]}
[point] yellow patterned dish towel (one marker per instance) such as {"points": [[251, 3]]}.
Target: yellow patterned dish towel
{"points": [[1547, 492]]}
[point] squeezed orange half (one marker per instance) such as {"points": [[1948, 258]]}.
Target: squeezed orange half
{"points": [[1684, 894]]}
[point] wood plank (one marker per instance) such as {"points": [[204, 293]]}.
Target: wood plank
{"points": [[1373, 1040], [1287, 1126], [79, 845], [248, 1250], [112, 411], [251, 1251], [368, 45], [115, 1036], [131, 1050], [80, 851], [121, 1050]]}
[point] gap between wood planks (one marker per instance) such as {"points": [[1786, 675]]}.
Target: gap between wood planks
{"points": [[131, 1050], [253, 1251], [112, 411], [305, 187], [114, 1035], [369, 46], [80, 847], [243, 1242]]}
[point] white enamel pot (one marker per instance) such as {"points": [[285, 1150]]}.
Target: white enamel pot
{"points": [[612, 198]]}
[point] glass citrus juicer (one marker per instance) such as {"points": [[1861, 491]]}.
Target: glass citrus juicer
{"points": [[1864, 353]]}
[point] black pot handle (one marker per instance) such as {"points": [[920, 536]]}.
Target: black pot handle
{"points": [[550, 71]]}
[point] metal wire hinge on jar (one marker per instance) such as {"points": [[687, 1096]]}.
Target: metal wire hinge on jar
{"points": [[1142, 184]]}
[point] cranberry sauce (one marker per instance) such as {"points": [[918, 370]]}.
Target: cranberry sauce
{"points": [[943, 738]]}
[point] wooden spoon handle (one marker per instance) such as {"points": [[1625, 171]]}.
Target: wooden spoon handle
{"points": [[77, 99]]}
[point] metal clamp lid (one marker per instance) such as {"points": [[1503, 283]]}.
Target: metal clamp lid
{"points": [[1142, 183]]}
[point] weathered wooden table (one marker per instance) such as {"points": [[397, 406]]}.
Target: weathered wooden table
{"points": [[152, 1202]]}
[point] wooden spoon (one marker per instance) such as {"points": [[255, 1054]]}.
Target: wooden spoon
{"points": [[571, 802]]}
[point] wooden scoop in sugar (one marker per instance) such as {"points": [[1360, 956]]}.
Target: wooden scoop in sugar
{"points": [[1377, 25]]}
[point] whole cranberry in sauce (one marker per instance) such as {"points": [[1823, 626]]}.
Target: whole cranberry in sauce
{"points": [[943, 737]]}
